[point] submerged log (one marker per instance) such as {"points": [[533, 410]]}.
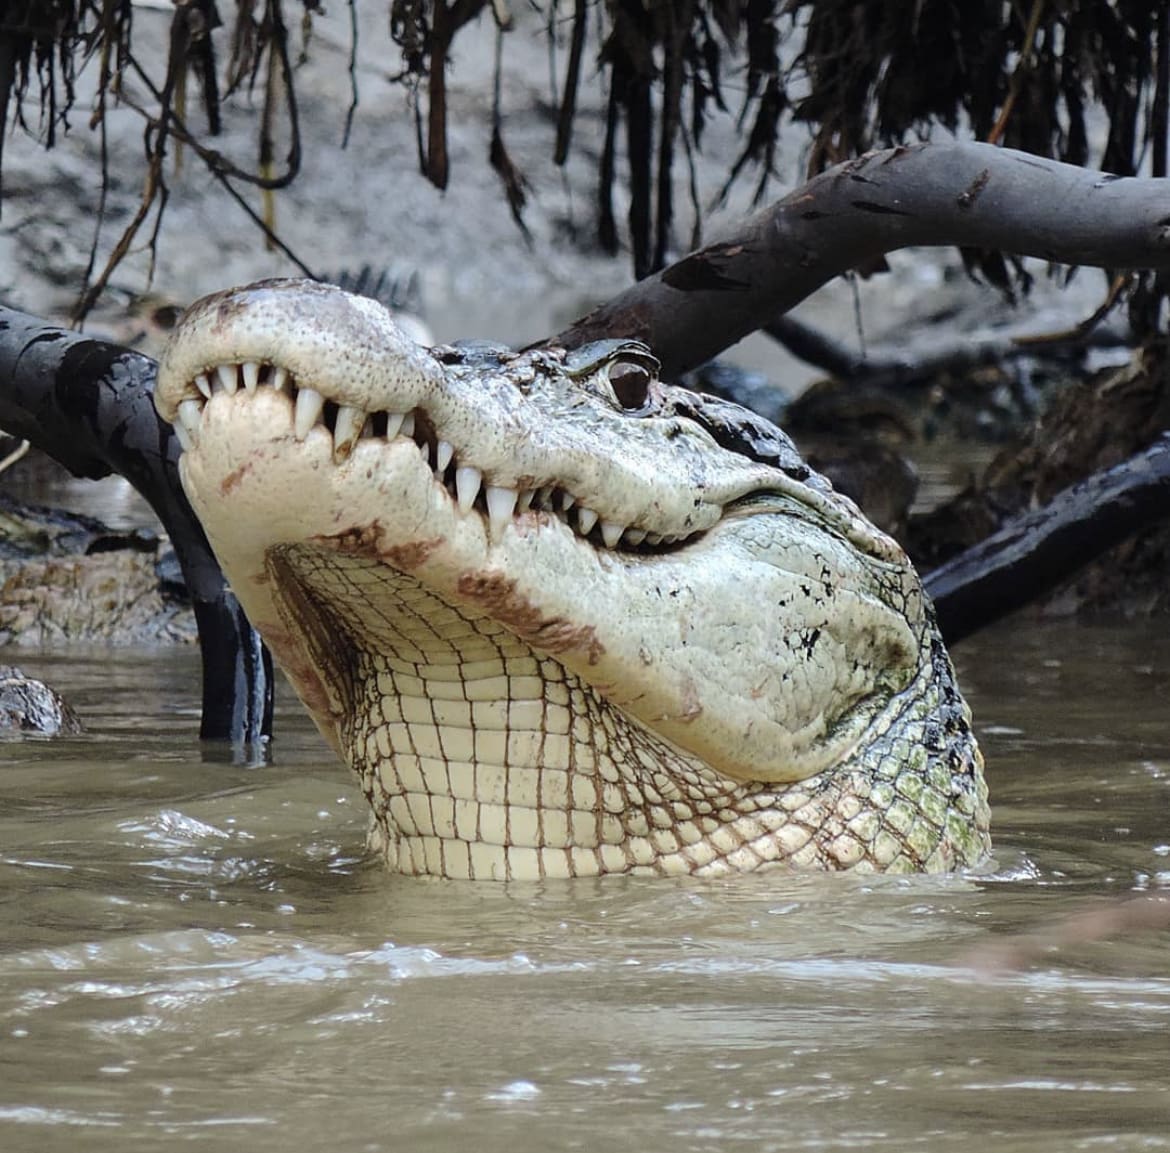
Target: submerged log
{"points": [[1038, 550], [1093, 921], [89, 404]]}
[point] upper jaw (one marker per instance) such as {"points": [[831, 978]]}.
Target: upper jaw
{"points": [[492, 441], [649, 632]]}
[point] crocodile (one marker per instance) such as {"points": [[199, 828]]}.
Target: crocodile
{"points": [[560, 617]]}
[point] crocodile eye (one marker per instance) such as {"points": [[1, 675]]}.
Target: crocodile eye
{"points": [[631, 383]]}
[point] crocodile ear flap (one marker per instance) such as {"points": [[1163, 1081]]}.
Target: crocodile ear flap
{"points": [[740, 430]]}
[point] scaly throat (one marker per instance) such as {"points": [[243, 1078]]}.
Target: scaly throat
{"points": [[480, 756]]}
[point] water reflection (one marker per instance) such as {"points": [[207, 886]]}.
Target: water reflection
{"points": [[198, 951]]}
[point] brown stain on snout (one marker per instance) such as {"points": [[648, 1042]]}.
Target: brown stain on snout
{"points": [[360, 540], [408, 557], [233, 478], [366, 541], [497, 596]]}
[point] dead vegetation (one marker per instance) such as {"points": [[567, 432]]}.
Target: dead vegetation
{"points": [[854, 75]]}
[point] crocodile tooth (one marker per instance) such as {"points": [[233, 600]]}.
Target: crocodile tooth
{"points": [[203, 384], [407, 429], [443, 454], [544, 496], [611, 533], [524, 502], [635, 535], [251, 372], [190, 414], [501, 503], [586, 519], [394, 423], [346, 430], [367, 431], [310, 405], [186, 441], [654, 538], [467, 482], [228, 380], [279, 377], [567, 501]]}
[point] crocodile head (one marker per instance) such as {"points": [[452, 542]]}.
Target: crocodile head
{"points": [[560, 617]]}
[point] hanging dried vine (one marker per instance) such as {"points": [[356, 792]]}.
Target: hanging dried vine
{"points": [[43, 43], [858, 73]]}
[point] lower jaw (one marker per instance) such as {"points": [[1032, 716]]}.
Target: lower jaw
{"points": [[492, 762], [463, 826]]}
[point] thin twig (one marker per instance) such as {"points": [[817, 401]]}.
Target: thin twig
{"points": [[1083, 327], [15, 455], [1017, 80], [353, 84]]}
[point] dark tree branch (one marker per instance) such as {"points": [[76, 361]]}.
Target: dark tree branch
{"points": [[7, 83], [1036, 551], [817, 348], [882, 367], [607, 234], [90, 406], [446, 20], [973, 195], [676, 25]]}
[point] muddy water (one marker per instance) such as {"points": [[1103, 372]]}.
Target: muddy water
{"points": [[195, 952]]}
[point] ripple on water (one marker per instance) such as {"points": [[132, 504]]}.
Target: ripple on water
{"points": [[192, 963]]}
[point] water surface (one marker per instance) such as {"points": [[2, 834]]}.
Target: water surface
{"points": [[195, 952]]}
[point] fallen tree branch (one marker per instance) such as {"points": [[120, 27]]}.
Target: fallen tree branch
{"points": [[883, 367], [90, 405], [1036, 551], [967, 194]]}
